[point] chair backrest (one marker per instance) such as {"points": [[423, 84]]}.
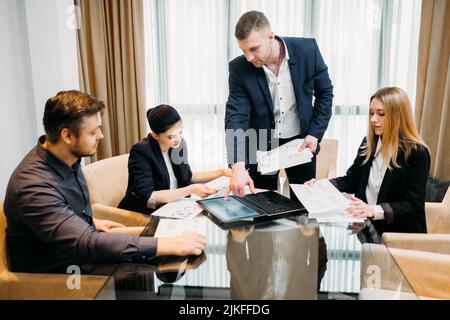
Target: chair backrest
{"points": [[446, 200], [3, 254], [438, 215], [327, 159], [107, 180]]}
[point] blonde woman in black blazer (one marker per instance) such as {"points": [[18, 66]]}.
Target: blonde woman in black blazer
{"points": [[388, 178], [158, 168]]}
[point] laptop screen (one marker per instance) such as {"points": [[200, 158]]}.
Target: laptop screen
{"points": [[228, 210]]}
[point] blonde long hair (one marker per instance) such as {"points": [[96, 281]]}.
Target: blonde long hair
{"points": [[399, 130]]}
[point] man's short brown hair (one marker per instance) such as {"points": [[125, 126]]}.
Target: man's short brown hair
{"points": [[250, 21], [67, 110]]}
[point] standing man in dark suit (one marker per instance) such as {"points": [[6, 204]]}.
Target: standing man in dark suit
{"points": [[270, 101]]}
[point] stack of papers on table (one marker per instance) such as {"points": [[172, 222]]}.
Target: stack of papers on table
{"points": [[176, 227], [183, 217], [285, 156], [324, 202]]}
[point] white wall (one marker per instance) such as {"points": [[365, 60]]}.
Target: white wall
{"points": [[38, 58]]}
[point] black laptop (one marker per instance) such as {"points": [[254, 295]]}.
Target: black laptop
{"points": [[253, 207]]}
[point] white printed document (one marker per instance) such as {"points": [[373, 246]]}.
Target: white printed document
{"points": [[220, 184], [285, 156], [324, 202], [180, 209], [177, 227]]}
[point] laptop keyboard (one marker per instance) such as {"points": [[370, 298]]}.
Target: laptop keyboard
{"points": [[263, 202]]}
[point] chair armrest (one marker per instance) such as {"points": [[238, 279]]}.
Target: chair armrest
{"points": [[379, 271], [125, 217], [438, 243], [427, 272], [436, 219], [382, 294], [36, 286], [135, 231]]}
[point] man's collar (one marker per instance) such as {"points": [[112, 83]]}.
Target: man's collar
{"points": [[60, 166], [286, 52]]}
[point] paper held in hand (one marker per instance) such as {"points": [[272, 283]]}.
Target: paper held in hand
{"points": [[324, 202], [180, 209], [285, 156], [220, 185]]}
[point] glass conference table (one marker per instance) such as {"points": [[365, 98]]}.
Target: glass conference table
{"points": [[289, 258]]}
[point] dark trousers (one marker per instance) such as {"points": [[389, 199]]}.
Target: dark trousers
{"points": [[296, 175]]}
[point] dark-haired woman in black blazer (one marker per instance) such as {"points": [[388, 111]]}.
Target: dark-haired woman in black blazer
{"points": [[389, 175], [158, 168]]}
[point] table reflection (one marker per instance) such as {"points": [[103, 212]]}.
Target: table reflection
{"points": [[293, 258], [276, 260]]}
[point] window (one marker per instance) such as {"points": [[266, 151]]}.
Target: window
{"points": [[366, 45]]}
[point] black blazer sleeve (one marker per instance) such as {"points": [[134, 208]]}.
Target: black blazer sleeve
{"points": [[323, 94], [45, 211], [237, 115], [140, 168], [350, 182]]}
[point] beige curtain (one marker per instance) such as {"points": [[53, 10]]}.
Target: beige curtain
{"points": [[433, 84], [111, 67]]}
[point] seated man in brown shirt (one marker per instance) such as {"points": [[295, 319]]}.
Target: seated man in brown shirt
{"points": [[47, 207]]}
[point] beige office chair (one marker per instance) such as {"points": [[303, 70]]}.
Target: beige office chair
{"points": [[438, 228], [438, 215], [107, 183], [381, 278], [425, 258], [427, 272], [403, 274], [327, 159], [35, 286]]}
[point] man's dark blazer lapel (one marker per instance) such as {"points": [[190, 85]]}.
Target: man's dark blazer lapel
{"points": [[293, 68], [262, 81], [297, 77]]}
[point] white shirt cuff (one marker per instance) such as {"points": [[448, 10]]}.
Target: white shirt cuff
{"points": [[151, 203], [379, 212]]}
